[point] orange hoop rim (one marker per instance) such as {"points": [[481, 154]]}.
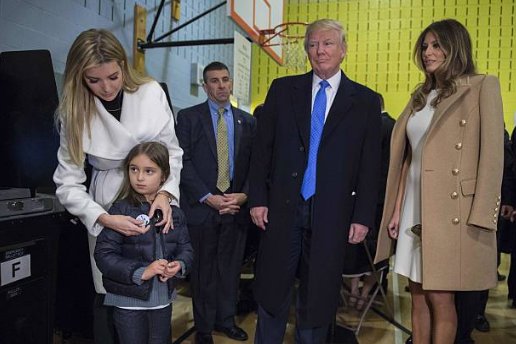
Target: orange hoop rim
{"points": [[266, 35]]}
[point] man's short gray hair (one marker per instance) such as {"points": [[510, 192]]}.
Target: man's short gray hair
{"points": [[324, 24]]}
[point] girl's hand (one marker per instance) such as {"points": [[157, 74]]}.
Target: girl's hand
{"points": [[162, 202], [125, 225], [393, 226], [157, 267], [171, 270]]}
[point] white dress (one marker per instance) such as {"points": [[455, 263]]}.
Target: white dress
{"points": [[407, 261]]}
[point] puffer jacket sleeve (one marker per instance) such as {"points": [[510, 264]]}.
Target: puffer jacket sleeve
{"points": [[108, 254], [184, 251]]}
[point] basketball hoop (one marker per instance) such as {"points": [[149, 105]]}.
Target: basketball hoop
{"points": [[290, 36]]}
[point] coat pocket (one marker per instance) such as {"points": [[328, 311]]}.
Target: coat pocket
{"points": [[468, 187]]}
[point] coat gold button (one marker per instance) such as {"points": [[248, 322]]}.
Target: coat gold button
{"points": [[494, 221], [455, 171], [454, 195], [462, 122], [455, 221], [458, 146], [496, 209]]}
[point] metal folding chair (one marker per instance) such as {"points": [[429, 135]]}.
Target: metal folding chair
{"points": [[379, 274]]}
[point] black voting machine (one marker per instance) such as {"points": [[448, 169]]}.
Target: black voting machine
{"points": [[45, 280]]}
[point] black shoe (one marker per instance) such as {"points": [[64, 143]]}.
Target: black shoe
{"points": [[203, 338], [481, 324], [501, 277], [233, 332], [409, 340]]}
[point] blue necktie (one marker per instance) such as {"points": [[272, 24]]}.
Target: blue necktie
{"points": [[317, 124]]}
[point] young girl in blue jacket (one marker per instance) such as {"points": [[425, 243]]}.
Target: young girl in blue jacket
{"points": [[140, 271]]}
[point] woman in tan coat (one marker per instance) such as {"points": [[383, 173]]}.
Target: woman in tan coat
{"points": [[443, 187]]}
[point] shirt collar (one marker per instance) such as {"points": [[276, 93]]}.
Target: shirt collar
{"points": [[214, 107], [334, 81]]}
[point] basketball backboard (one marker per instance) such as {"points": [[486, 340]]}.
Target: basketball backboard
{"points": [[255, 15]]}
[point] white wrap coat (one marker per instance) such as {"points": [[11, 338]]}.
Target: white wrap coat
{"points": [[146, 116]]}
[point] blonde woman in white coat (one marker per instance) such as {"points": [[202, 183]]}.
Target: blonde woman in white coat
{"points": [[105, 110]]}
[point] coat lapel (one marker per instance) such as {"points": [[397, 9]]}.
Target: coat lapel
{"points": [[340, 107], [207, 125], [302, 100], [463, 86]]}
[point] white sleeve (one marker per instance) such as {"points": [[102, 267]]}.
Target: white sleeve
{"points": [[169, 138], [71, 191]]}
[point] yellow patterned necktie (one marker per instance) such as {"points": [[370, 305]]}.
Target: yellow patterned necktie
{"points": [[222, 152]]}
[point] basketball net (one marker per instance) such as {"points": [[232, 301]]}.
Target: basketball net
{"points": [[294, 55], [291, 35]]}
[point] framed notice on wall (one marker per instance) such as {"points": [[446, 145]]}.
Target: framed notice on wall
{"points": [[242, 69]]}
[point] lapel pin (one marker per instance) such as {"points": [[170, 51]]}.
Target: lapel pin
{"points": [[239, 121]]}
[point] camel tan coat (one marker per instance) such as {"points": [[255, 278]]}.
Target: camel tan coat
{"points": [[461, 175]]}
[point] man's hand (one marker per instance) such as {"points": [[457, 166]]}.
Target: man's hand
{"points": [[357, 233], [234, 207], [123, 224], [223, 203], [259, 216], [506, 211]]}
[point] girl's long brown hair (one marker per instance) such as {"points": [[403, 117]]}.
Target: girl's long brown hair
{"points": [[157, 153]]}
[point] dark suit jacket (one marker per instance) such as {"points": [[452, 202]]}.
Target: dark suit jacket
{"points": [[348, 166], [200, 168], [387, 126]]}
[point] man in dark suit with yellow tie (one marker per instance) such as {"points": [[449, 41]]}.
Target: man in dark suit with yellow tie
{"points": [[313, 186], [216, 139]]}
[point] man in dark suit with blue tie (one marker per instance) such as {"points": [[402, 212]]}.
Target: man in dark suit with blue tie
{"points": [[313, 186], [216, 139]]}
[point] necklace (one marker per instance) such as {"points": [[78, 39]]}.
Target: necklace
{"points": [[115, 104]]}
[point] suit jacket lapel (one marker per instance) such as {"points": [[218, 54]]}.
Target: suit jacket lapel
{"points": [[302, 100], [237, 123], [207, 124], [340, 107]]}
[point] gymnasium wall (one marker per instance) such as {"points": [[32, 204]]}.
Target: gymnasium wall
{"points": [[381, 36]]}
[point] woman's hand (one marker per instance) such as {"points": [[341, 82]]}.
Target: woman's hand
{"points": [[125, 225], [393, 226], [162, 202]]}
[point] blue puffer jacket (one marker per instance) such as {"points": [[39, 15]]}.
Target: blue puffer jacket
{"points": [[118, 256]]}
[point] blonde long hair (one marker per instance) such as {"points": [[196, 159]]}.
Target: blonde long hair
{"points": [[77, 106], [455, 42]]}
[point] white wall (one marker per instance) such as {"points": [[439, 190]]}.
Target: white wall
{"points": [[54, 24]]}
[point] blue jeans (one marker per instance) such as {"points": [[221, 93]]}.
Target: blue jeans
{"points": [[143, 326]]}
